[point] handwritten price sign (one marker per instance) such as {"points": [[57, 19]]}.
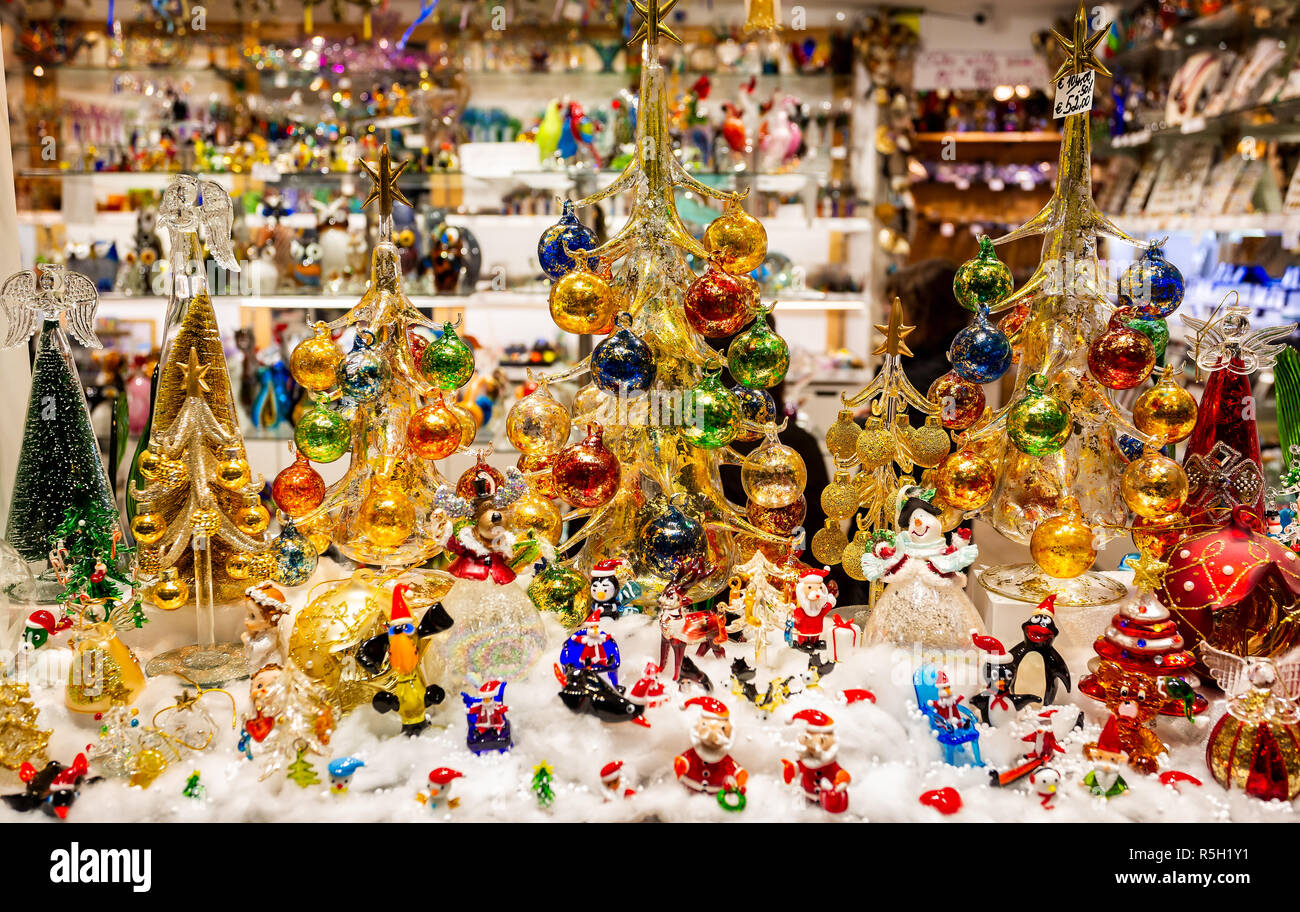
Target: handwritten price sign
{"points": [[1073, 94]]}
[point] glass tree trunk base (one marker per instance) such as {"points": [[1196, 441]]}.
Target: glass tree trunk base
{"points": [[1027, 583], [205, 665]]}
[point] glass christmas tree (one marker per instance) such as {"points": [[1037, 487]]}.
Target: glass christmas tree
{"points": [[59, 467]]}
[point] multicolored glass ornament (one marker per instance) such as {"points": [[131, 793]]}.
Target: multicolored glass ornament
{"points": [[322, 434], [756, 406], [1038, 424], [670, 538], [1121, 357], [562, 591], [434, 431], [293, 559], [448, 361], [314, 363], [298, 488], [758, 358], [712, 414], [983, 280], [960, 401], [586, 473], [622, 363], [582, 302], [980, 353], [1166, 412], [567, 232], [738, 240], [1152, 285], [363, 373], [719, 303], [537, 424]]}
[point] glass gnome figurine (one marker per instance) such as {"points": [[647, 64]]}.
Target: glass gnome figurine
{"points": [[925, 600]]}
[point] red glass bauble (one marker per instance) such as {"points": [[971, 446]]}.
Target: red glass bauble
{"points": [[1121, 357], [465, 484], [298, 489], [586, 474], [960, 401], [719, 304]]}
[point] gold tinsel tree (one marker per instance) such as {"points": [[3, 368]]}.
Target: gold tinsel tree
{"points": [[22, 740]]}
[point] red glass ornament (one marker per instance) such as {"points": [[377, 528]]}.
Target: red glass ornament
{"points": [[298, 489], [586, 473], [1225, 416], [960, 401], [719, 304], [1268, 777], [1121, 357], [465, 484]]}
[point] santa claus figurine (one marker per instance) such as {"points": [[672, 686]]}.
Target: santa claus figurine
{"points": [[611, 780], [823, 780], [945, 705], [590, 647], [814, 602], [648, 691], [706, 766]]}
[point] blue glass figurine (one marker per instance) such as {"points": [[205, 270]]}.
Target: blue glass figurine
{"points": [[341, 770], [485, 715], [952, 724], [591, 648], [606, 594]]}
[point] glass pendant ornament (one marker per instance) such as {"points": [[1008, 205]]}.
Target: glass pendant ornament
{"points": [[363, 373], [1063, 546], [712, 414], [433, 431], [1166, 412], [567, 232], [1121, 358], [621, 363], [562, 591], [778, 520], [756, 406], [252, 518], [839, 498], [670, 538], [314, 363], [293, 559], [758, 358], [983, 280], [876, 446], [1152, 285], [322, 434], [150, 463], [1155, 330], [299, 488], [842, 438], [773, 475], [586, 473], [387, 516], [239, 566], [851, 556], [170, 592], [737, 239], [447, 362], [1154, 486], [148, 528], [1038, 424], [583, 303], [468, 423], [719, 303], [232, 472], [537, 424], [980, 353], [465, 484], [965, 480], [534, 513], [960, 401], [829, 543]]}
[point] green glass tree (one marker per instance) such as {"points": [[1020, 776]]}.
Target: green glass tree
{"points": [[59, 468], [541, 784]]}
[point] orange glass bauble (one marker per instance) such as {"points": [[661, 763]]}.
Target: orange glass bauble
{"points": [[433, 432], [1154, 486], [960, 401], [586, 474], [965, 480], [298, 489], [468, 423], [1159, 535], [1063, 546]]}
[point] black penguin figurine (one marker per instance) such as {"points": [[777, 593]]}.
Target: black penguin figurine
{"points": [[1040, 632], [996, 703]]}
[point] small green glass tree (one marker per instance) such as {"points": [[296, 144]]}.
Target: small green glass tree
{"points": [[301, 772], [541, 784]]}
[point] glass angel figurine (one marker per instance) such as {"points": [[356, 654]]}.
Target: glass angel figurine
{"points": [[924, 600]]}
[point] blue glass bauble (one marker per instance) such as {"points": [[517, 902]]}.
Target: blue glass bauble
{"points": [[570, 232], [756, 405], [1130, 446], [669, 539], [980, 353], [293, 557], [1153, 286], [622, 363], [363, 373]]}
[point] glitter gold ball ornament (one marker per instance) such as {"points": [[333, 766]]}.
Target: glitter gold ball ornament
{"points": [[851, 556], [538, 424], [773, 475], [232, 472], [1038, 424], [982, 281], [1154, 486], [206, 520], [433, 432], [315, 362], [239, 566], [1062, 546], [876, 446], [562, 591], [738, 239], [1166, 413], [299, 488], [960, 401], [778, 520], [537, 467], [252, 518], [150, 465], [1159, 535], [718, 303], [448, 361], [363, 374], [842, 438], [929, 444], [840, 497], [170, 592], [965, 480], [713, 414], [582, 303], [586, 473], [148, 527], [829, 543], [1121, 358], [322, 434], [387, 516], [535, 513]]}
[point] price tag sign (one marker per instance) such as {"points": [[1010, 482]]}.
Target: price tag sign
{"points": [[1073, 94]]}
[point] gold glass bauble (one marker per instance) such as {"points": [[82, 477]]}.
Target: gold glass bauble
{"points": [[829, 543], [232, 471], [468, 423], [965, 481], [582, 302], [150, 465], [929, 444], [773, 475], [736, 240], [876, 446], [537, 468], [1154, 485], [537, 424], [433, 432], [148, 527], [315, 362], [170, 592], [387, 516], [1062, 546], [1166, 413], [842, 438], [840, 497], [252, 518], [146, 766], [239, 566], [535, 513]]}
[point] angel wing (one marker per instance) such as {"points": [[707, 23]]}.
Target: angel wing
{"points": [[18, 295], [218, 216], [1288, 674], [80, 299], [1230, 672]]}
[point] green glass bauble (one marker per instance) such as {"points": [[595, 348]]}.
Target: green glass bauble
{"points": [[1038, 424], [447, 362], [563, 591], [758, 358], [1156, 330], [984, 280], [322, 434], [711, 414]]}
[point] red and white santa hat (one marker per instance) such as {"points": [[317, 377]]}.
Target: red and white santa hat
{"points": [[813, 574], [610, 772], [400, 610], [1047, 605], [490, 688], [606, 568], [710, 707], [593, 619], [40, 619], [813, 720], [994, 652], [443, 775], [1109, 739]]}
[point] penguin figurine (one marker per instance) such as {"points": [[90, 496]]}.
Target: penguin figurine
{"points": [[996, 704], [1040, 632]]}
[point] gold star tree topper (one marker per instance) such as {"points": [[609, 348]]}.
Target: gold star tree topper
{"points": [[384, 177], [894, 333], [1081, 51], [653, 26]]}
